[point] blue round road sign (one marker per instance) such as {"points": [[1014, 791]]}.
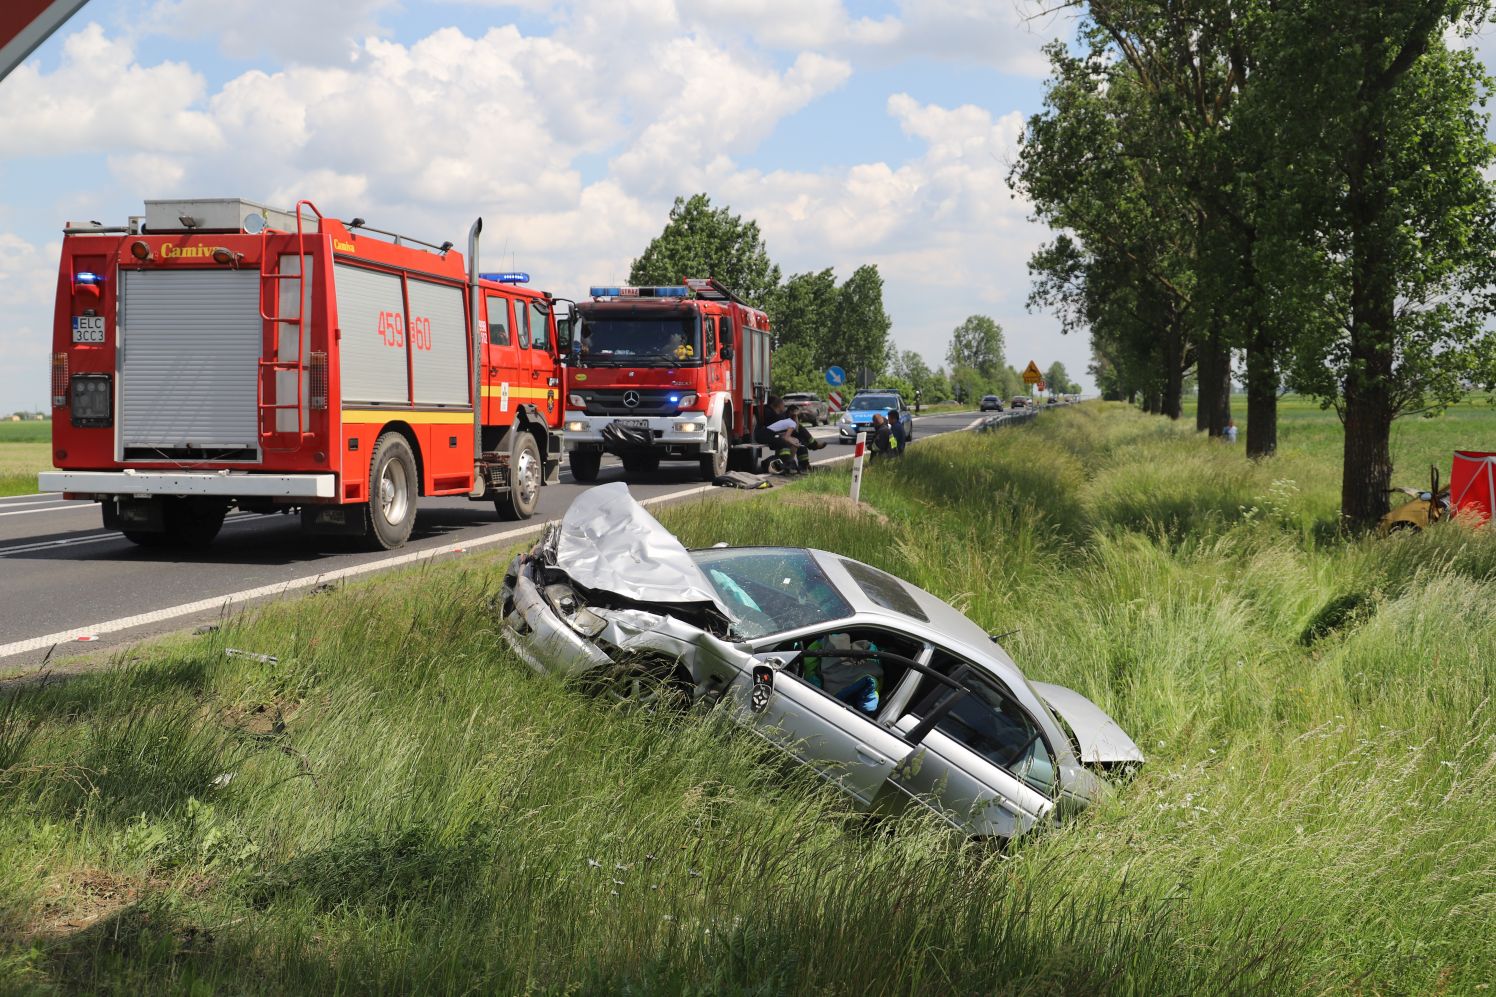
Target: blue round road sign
{"points": [[835, 376]]}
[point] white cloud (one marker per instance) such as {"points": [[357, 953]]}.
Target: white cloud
{"points": [[100, 98], [28, 283], [302, 31]]}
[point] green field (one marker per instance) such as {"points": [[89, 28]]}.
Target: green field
{"points": [[25, 450], [397, 805]]}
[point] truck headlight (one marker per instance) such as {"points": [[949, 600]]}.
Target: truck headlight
{"points": [[687, 400], [576, 401], [689, 427], [576, 426]]}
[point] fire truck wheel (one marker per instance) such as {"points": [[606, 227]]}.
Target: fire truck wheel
{"points": [[194, 522], [584, 465], [714, 465], [524, 480], [392, 487]]}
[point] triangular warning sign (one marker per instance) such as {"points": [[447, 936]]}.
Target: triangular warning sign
{"points": [[1032, 368]]}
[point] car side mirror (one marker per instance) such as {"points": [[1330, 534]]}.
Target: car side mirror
{"points": [[726, 353]]}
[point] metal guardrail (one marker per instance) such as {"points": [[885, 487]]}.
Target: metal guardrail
{"points": [[1008, 419]]}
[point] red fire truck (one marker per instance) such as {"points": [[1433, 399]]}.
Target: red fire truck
{"points": [[217, 353], [665, 373]]}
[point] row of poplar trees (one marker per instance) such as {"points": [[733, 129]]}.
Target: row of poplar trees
{"points": [[1302, 182]]}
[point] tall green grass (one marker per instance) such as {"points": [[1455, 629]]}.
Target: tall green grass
{"points": [[397, 805]]}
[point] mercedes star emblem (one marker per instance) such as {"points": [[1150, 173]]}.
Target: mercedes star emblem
{"points": [[631, 398]]}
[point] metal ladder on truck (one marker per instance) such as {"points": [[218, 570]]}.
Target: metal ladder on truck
{"points": [[271, 362]]}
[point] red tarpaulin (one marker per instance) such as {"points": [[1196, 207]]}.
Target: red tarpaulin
{"points": [[1472, 485], [25, 24]]}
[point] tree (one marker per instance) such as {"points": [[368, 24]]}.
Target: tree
{"points": [[702, 241], [977, 343], [802, 312], [1392, 211], [860, 326], [1057, 380]]}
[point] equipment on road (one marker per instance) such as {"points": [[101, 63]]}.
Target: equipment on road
{"points": [[219, 353], [666, 373]]}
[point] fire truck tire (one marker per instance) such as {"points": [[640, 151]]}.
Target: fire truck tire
{"points": [[392, 493], [584, 465], [189, 523], [525, 473], [714, 465]]}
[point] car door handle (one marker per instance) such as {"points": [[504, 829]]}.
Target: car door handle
{"points": [[534, 374], [871, 755]]}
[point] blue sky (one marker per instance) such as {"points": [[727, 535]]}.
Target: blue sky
{"points": [[852, 132]]}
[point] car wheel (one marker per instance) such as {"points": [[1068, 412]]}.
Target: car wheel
{"points": [[651, 685], [391, 509], [584, 465], [524, 480]]}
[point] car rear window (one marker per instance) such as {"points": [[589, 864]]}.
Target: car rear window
{"points": [[884, 589]]}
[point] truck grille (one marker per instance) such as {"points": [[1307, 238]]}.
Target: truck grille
{"points": [[651, 401]]}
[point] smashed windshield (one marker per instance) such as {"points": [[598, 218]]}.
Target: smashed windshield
{"points": [[666, 340], [771, 589], [881, 403]]}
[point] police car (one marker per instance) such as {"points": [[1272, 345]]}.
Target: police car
{"points": [[858, 418]]}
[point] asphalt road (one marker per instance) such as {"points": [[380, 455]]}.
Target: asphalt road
{"points": [[63, 577]]}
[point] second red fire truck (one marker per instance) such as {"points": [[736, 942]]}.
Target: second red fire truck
{"points": [[215, 354], [675, 373]]}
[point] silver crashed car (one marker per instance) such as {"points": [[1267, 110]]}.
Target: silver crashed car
{"points": [[883, 689]]}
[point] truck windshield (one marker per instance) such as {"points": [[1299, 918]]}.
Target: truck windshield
{"points": [[640, 340]]}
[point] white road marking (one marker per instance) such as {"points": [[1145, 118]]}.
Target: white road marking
{"points": [[352, 571], [93, 538], [45, 501], [67, 507]]}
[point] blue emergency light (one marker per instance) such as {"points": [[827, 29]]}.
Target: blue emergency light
{"points": [[640, 292], [87, 278], [510, 277]]}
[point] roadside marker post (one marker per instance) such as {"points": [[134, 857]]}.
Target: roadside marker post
{"points": [[857, 457]]}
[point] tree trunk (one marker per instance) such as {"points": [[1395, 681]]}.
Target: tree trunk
{"points": [[1262, 397], [1206, 387], [1369, 410], [1215, 384]]}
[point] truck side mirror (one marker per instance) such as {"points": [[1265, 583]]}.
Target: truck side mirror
{"points": [[726, 353]]}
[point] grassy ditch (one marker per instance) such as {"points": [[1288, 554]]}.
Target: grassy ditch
{"points": [[395, 804]]}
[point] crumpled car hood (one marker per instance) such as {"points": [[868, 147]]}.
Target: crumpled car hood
{"points": [[608, 542]]}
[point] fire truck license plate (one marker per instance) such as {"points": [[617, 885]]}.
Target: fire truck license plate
{"points": [[634, 423], [88, 328]]}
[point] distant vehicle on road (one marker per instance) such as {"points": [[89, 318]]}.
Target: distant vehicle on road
{"points": [[991, 403], [1020, 402], [813, 410], [859, 415]]}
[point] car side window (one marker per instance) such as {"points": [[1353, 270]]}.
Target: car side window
{"points": [[709, 336], [856, 666], [522, 325], [987, 720], [498, 321]]}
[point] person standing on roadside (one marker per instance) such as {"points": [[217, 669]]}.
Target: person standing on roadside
{"points": [[1230, 433], [896, 432]]}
